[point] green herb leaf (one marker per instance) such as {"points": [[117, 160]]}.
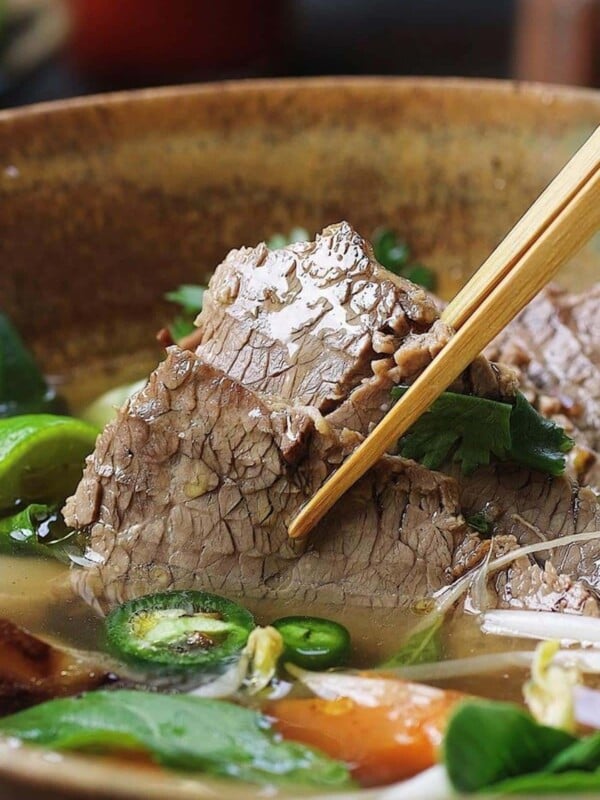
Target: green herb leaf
{"points": [[460, 428], [189, 296], [583, 754], [537, 442], [561, 785], [424, 276], [391, 252], [178, 731], [280, 240], [470, 430], [488, 742], [480, 523], [423, 647], [23, 389], [39, 530], [394, 254]]}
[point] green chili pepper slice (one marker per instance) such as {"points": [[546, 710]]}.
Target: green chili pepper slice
{"points": [[313, 642], [179, 630]]}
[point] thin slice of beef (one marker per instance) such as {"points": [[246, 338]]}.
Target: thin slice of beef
{"points": [[524, 583], [316, 321], [534, 507], [542, 588], [555, 345], [195, 482]]}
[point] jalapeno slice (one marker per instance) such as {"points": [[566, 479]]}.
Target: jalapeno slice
{"points": [[314, 642], [179, 630]]}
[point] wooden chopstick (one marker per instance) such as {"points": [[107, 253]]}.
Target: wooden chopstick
{"points": [[491, 305]]}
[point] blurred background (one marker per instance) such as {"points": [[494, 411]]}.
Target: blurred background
{"points": [[62, 48]]}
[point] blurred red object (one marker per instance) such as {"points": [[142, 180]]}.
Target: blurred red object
{"points": [[171, 37]]}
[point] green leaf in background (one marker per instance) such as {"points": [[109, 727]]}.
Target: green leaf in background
{"points": [[279, 240], [189, 296], [423, 647], [23, 388], [488, 742], [178, 731], [394, 254], [38, 530]]}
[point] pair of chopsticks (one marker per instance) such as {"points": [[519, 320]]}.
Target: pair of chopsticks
{"points": [[556, 226]]}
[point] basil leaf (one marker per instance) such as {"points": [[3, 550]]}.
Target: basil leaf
{"points": [[548, 783], [488, 742], [23, 389], [178, 731], [584, 754], [423, 647]]}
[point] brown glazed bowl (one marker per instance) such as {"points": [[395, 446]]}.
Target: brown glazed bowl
{"points": [[108, 202]]}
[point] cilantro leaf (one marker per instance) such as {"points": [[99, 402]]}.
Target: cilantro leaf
{"points": [[537, 442], [423, 647], [190, 297], [471, 430], [480, 522], [459, 428]]}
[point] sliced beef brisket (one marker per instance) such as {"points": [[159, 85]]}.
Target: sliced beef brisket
{"points": [[195, 482], [317, 321], [555, 345]]}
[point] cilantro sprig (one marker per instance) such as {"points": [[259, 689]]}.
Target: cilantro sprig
{"points": [[471, 430], [190, 297]]}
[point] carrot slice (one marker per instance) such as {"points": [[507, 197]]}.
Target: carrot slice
{"points": [[385, 729]]}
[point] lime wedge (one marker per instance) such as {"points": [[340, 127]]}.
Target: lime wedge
{"points": [[42, 457]]}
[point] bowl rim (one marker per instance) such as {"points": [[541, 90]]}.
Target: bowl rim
{"points": [[499, 86]]}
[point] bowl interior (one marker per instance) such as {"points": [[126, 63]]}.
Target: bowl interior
{"points": [[107, 203]]}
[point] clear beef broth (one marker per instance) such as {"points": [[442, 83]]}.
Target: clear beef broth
{"points": [[36, 592]]}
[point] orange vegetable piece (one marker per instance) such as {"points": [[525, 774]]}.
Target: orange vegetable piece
{"points": [[385, 729]]}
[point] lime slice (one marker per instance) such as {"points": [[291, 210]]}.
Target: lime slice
{"points": [[41, 457]]}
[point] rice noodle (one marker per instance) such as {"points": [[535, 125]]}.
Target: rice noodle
{"points": [[544, 625], [587, 661]]}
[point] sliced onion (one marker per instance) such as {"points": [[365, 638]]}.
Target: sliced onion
{"points": [[566, 628], [432, 783], [587, 706], [226, 684]]}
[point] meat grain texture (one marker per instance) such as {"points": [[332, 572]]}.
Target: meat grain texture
{"points": [[195, 482]]}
